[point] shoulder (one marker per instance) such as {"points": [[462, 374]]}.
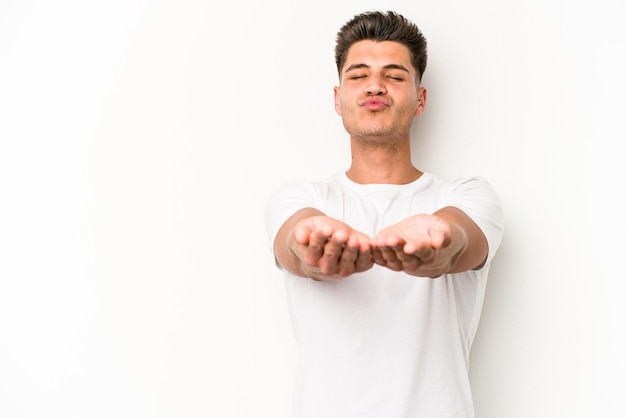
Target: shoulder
{"points": [[300, 187], [474, 187]]}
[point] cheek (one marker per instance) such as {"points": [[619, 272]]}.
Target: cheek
{"points": [[345, 104]]}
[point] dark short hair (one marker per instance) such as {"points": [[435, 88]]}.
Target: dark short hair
{"points": [[382, 26]]}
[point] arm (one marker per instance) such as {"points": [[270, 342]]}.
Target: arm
{"points": [[447, 241], [311, 244]]}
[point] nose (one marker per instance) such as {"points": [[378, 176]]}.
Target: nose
{"points": [[375, 86]]}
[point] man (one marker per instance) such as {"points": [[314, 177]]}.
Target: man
{"points": [[385, 265]]}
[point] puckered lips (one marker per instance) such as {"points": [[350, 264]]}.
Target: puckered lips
{"points": [[374, 103]]}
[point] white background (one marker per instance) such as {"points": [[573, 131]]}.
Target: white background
{"points": [[138, 143]]}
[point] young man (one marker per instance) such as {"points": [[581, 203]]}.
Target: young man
{"points": [[385, 265]]}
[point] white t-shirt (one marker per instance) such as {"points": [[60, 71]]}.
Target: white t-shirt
{"points": [[384, 344]]}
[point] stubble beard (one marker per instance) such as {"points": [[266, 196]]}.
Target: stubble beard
{"points": [[378, 135]]}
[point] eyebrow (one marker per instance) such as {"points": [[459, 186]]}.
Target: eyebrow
{"points": [[386, 67]]}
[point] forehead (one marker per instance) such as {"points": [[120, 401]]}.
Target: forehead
{"points": [[375, 54]]}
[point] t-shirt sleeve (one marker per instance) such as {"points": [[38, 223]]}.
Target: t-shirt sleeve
{"points": [[477, 198]]}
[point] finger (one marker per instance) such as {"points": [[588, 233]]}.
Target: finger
{"points": [[364, 261], [409, 261], [386, 241], [347, 261], [377, 257], [333, 249], [441, 234], [412, 265], [355, 255], [421, 247], [319, 237], [313, 248], [302, 234], [406, 261], [390, 258], [442, 239], [424, 252]]}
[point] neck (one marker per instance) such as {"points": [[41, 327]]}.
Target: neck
{"points": [[382, 165]]}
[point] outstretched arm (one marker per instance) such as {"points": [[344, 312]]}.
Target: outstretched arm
{"points": [[447, 241], [311, 244]]}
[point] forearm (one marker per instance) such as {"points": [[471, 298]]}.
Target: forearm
{"points": [[468, 242]]}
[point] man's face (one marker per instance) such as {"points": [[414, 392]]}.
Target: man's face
{"points": [[378, 95]]}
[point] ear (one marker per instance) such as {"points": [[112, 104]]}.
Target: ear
{"points": [[337, 101], [421, 101]]}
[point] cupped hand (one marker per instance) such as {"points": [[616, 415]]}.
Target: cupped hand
{"points": [[329, 249], [420, 245]]}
